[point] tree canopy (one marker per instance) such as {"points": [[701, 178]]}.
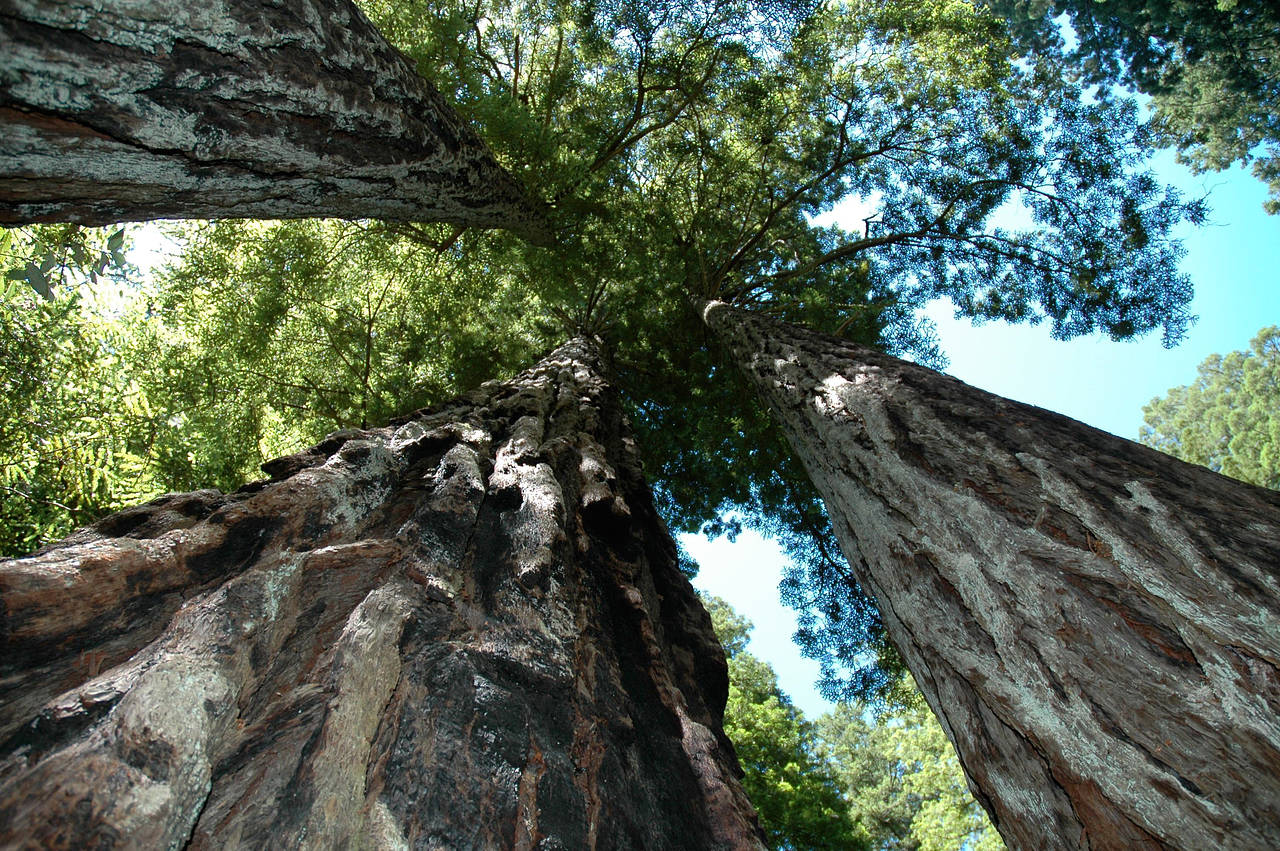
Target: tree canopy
{"points": [[1210, 68], [684, 151], [75, 426], [906, 787], [1228, 419]]}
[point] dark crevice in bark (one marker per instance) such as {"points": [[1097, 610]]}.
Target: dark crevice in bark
{"points": [[1111, 727], [1140, 614], [50, 729]]}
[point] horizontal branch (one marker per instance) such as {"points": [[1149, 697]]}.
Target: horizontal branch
{"points": [[242, 110]]}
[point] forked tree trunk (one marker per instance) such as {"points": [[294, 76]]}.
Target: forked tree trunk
{"points": [[1097, 625], [466, 630], [230, 108]]}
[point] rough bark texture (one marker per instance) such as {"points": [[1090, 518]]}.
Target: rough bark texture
{"points": [[230, 108], [1097, 625], [466, 630]]}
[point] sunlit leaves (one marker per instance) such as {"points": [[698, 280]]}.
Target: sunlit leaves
{"points": [[75, 425], [857, 777], [53, 258], [794, 792], [1228, 419], [905, 785], [703, 136], [277, 333]]}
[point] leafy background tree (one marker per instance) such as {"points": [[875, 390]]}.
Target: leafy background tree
{"points": [[1228, 419], [277, 333], [256, 340], [795, 791], [76, 428], [52, 258], [882, 777], [906, 787]]}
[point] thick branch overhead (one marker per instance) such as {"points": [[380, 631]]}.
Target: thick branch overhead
{"points": [[230, 109]]}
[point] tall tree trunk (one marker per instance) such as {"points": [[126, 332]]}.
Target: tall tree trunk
{"points": [[143, 109], [1097, 625], [465, 630]]}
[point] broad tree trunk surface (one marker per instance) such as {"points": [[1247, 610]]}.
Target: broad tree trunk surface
{"points": [[1096, 624], [465, 630], [230, 108]]}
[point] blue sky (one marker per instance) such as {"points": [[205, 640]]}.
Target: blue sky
{"points": [[1234, 262]]}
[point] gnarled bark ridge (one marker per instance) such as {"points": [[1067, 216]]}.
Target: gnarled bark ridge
{"points": [[1096, 624], [465, 630], [143, 109]]}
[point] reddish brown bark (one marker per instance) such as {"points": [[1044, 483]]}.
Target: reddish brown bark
{"points": [[1097, 625], [464, 630], [230, 109]]}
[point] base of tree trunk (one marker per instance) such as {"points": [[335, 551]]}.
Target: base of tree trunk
{"points": [[465, 630]]}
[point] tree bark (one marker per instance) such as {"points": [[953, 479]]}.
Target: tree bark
{"points": [[1097, 625], [230, 108], [465, 630]]}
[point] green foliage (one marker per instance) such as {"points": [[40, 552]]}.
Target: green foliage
{"points": [[1212, 68], [707, 135], [52, 258], [75, 425], [733, 630], [906, 787], [1228, 419], [795, 793], [256, 341], [858, 777], [276, 333]]}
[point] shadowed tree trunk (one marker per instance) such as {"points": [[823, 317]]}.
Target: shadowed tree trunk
{"points": [[465, 630], [1097, 625], [144, 109]]}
